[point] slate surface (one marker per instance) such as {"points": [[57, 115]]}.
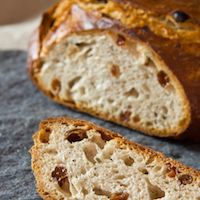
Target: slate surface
{"points": [[22, 106]]}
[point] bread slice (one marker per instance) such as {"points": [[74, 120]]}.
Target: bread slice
{"points": [[75, 159], [86, 57]]}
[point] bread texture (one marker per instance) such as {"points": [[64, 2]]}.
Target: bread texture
{"points": [[75, 159], [123, 61]]}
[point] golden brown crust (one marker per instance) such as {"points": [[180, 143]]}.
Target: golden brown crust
{"points": [[123, 142], [158, 15], [182, 58], [165, 7]]}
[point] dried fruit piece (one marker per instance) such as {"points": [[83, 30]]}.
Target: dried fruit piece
{"points": [[76, 135], [121, 40], [105, 136], [115, 71], [56, 85], [44, 135], [60, 174], [185, 179], [125, 116], [180, 16], [128, 161], [136, 118], [163, 79], [120, 196], [171, 172]]}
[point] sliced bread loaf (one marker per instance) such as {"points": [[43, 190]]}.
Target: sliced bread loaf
{"points": [[75, 159], [144, 74]]}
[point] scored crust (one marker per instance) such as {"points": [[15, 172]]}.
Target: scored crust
{"points": [[173, 170], [182, 58]]}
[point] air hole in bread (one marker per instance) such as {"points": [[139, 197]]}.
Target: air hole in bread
{"points": [[163, 78], [149, 62], [132, 92], [164, 109], [128, 160], [74, 81], [82, 44], [82, 90], [155, 114], [75, 135], [85, 192], [100, 192], [149, 123], [170, 88], [115, 70], [120, 196], [44, 135], [119, 177], [155, 192], [98, 160], [51, 151], [83, 171], [146, 88], [90, 152], [115, 171], [56, 85], [97, 139], [150, 160], [108, 151], [110, 101], [89, 52], [46, 193], [72, 49], [157, 168], [143, 170]]}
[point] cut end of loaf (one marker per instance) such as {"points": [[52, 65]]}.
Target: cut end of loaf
{"points": [[116, 78], [74, 159]]}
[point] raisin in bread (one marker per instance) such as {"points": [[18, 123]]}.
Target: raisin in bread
{"points": [[130, 62], [75, 159]]}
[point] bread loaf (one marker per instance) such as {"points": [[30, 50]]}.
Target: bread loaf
{"points": [[136, 63], [74, 159]]}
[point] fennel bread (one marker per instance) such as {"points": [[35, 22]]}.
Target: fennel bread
{"points": [[75, 159], [124, 61]]}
